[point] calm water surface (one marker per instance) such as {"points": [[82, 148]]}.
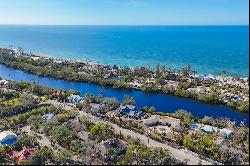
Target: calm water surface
{"points": [[163, 103], [209, 49]]}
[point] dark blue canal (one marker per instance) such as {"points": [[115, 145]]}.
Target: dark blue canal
{"points": [[162, 102]]}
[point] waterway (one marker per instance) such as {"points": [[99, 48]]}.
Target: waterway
{"points": [[162, 102]]}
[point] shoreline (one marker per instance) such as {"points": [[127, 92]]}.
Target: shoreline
{"points": [[141, 86], [152, 65], [93, 62]]}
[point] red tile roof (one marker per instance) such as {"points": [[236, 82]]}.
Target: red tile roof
{"points": [[23, 154]]}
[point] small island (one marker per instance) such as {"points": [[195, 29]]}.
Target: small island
{"points": [[232, 91]]}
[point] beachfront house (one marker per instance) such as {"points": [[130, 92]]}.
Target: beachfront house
{"points": [[131, 112], [206, 77], [7, 138], [226, 133], [48, 117], [75, 99]]}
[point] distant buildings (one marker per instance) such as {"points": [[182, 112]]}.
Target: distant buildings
{"points": [[7, 138]]}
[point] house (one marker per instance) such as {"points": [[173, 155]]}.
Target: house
{"points": [[75, 98], [48, 117], [207, 129], [7, 138], [23, 154], [135, 84], [153, 120], [171, 122], [96, 107], [3, 82], [131, 111], [195, 126], [236, 98], [35, 58], [222, 143], [112, 148], [227, 133]]}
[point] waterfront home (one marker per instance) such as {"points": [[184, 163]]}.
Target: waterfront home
{"points": [[75, 99], [222, 143], [131, 112], [135, 84], [48, 117], [152, 120], [7, 138], [24, 154], [227, 133], [171, 122], [236, 98], [209, 129], [117, 146]]}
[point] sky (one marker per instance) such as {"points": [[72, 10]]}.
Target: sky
{"points": [[125, 12]]}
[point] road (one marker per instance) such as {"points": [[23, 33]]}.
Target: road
{"points": [[45, 141], [179, 154]]}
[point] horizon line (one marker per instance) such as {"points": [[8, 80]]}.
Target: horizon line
{"points": [[127, 24]]}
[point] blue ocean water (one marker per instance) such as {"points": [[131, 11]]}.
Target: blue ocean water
{"points": [[209, 49]]}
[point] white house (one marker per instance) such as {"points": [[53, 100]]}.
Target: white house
{"points": [[207, 129], [75, 98], [7, 138], [226, 132], [135, 84], [3, 82]]}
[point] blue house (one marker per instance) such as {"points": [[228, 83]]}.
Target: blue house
{"points": [[75, 99], [131, 111]]}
